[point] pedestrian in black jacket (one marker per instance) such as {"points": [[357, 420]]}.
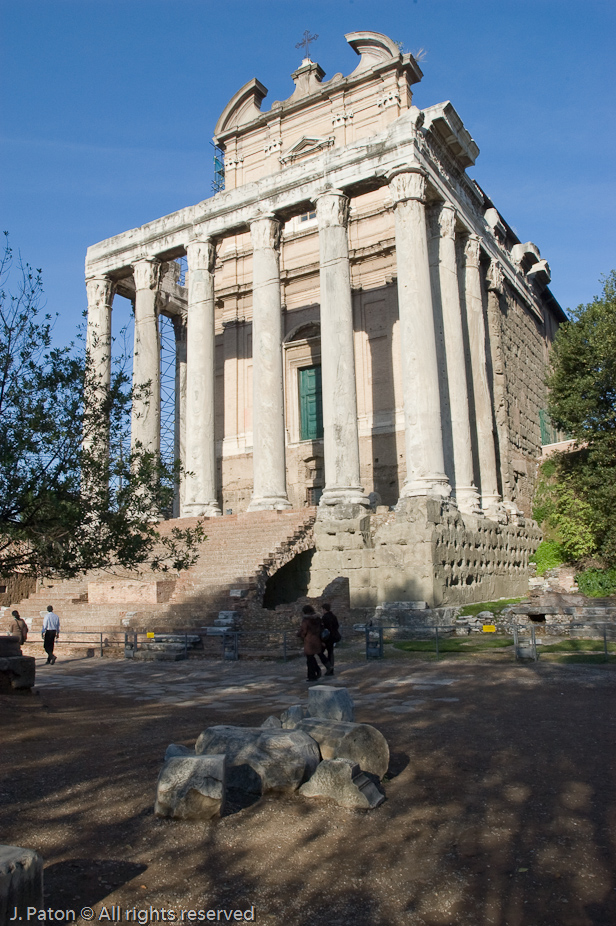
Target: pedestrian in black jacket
{"points": [[330, 622]]}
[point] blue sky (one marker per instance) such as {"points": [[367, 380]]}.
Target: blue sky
{"points": [[108, 109]]}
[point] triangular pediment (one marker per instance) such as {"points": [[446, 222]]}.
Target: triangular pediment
{"points": [[305, 146]]}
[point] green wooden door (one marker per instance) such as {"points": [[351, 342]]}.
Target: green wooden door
{"points": [[310, 404]]}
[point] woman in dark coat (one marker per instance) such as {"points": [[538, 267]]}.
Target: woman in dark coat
{"points": [[330, 623], [310, 633]]}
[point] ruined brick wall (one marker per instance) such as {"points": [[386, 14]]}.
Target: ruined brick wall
{"points": [[16, 588], [519, 345]]}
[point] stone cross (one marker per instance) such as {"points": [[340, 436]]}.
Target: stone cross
{"points": [[305, 44]]}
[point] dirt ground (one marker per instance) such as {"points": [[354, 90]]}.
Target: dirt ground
{"points": [[500, 810]]}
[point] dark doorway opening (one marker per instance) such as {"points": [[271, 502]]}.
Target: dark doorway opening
{"points": [[290, 582]]}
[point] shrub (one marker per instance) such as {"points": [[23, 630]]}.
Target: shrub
{"points": [[549, 555], [597, 583]]}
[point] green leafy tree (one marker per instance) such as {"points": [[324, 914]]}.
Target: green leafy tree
{"points": [[578, 496], [70, 499]]}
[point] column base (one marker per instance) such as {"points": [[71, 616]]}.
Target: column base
{"points": [[467, 499], [201, 510], [432, 484], [344, 495], [270, 503]]}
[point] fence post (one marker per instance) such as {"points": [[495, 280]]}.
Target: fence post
{"points": [[533, 642], [284, 646], [607, 658], [101, 644], [185, 646], [436, 638], [515, 641]]}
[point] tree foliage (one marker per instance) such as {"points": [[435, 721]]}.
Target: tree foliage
{"points": [[577, 494], [66, 505]]}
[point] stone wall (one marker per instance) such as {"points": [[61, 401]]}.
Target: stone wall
{"points": [[424, 551], [16, 588]]}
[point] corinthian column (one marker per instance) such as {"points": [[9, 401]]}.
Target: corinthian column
{"points": [[200, 479], [98, 349], [340, 435], [179, 430], [145, 418], [466, 494], [425, 467], [490, 497], [268, 444]]}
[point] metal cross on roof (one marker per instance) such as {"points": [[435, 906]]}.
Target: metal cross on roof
{"points": [[305, 44]]}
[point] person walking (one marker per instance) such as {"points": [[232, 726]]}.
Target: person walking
{"points": [[310, 632], [332, 626], [50, 633], [18, 627]]}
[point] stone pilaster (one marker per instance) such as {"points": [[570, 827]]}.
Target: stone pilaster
{"points": [[179, 430], [340, 434], [200, 479], [465, 491], [145, 418], [423, 433], [473, 297], [268, 444], [98, 351]]}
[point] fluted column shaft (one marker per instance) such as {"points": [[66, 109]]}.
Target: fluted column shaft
{"points": [[179, 430], [200, 480], [340, 434], [466, 494], [490, 496], [268, 444], [145, 418], [425, 468]]}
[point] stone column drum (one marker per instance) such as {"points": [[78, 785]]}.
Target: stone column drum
{"points": [[466, 494], [490, 497], [145, 418], [340, 434], [200, 481], [268, 444], [98, 347], [425, 465]]}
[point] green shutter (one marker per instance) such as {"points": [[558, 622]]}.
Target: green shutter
{"points": [[310, 404]]}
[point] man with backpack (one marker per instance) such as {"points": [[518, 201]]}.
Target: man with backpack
{"points": [[310, 631], [330, 634]]}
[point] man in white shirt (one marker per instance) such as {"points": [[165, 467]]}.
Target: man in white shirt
{"points": [[51, 632]]}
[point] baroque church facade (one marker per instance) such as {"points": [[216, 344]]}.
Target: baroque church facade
{"points": [[359, 329]]}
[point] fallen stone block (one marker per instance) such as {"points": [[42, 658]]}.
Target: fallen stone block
{"points": [[191, 788], [359, 742], [173, 750], [342, 781], [271, 723], [292, 716], [329, 702], [262, 760], [17, 671], [21, 882]]}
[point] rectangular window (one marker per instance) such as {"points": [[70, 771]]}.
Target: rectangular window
{"points": [[307, 216], [310, 404]]}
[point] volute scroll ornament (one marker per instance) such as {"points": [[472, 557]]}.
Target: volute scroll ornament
{"points": [[332, 209]]}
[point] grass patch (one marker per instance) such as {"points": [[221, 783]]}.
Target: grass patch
{"points": [[495, 607], [578, 646], [454, 646], [549, 555], [578, 658]]}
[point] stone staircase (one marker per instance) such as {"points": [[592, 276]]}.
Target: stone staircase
{"points": [[239, 554]]}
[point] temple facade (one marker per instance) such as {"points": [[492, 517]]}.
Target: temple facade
{"points": [[358, 328]]}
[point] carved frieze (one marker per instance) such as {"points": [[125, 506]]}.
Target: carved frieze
{"points": [[272, 144], [391, 98], [332, 209], [342, 117]]}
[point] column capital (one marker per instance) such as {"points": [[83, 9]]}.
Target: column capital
{"points": [[265, 233], [472, 250], [100, 291], [201, 254], [146, 272], [332, 208], [495, 277], [407, 183], [447, 220]]}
